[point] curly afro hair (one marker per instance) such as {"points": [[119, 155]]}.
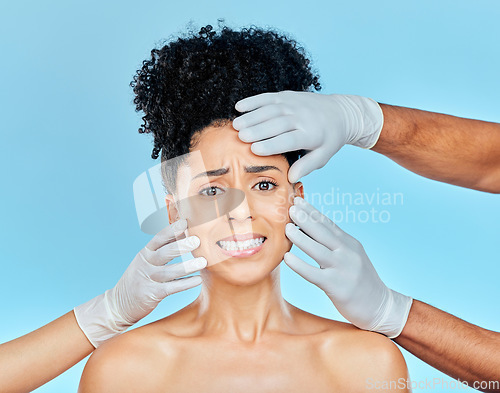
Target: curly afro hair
{"points": [[195, 81]]}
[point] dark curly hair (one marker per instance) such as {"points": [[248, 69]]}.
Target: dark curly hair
{"points": [[195, 81]]}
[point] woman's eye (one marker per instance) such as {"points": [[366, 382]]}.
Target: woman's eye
{"points": [[266, 185], [210, 191]]}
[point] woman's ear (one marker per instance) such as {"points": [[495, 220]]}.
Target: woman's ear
{"points": [[173, 213], [299, 189]]}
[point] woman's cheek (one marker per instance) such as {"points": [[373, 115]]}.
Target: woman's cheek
{"points": [[280, 209], [286, 245]]}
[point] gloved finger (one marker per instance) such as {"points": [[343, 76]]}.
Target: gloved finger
{"points": [[256, 101], [301, 203], [267, 129], [176, 270], [289, 141], [171, 250], [340, 235], [311, 247], [167, 234], [306, 164], [180, 284], [312, 222], [258, 116], [310, 273]]}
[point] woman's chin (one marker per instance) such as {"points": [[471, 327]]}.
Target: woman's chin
{"points": [[241, 270], [244, 276]]}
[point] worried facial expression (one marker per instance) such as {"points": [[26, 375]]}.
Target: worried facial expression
{"points": [[245, 198]]}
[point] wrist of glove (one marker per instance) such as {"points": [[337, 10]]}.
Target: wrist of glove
{"points": [[363, 119], [99, 320], [396, 308], [387, 314]]}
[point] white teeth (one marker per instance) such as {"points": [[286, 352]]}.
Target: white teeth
{"points": [[238, 246]]}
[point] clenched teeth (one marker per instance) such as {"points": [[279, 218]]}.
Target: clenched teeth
{"points": [[239, 246]]}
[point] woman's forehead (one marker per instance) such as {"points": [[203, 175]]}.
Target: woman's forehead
{"points": [[228, 164], [220, 147]]}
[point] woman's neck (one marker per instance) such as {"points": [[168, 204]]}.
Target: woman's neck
{"points": [[243, 313]]}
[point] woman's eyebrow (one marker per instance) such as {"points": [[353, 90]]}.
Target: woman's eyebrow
{"points": [[260, 168], [248, 169]]}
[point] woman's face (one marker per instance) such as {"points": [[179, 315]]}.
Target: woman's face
{"points": [[245, 195]]}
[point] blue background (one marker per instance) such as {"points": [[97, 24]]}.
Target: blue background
{"points": [[70, 149]]}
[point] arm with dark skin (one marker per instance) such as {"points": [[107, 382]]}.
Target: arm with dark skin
{"points": [[450, 149], [457, 348], [466, 153]]}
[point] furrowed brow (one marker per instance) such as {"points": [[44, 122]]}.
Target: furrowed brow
{"points": [[260, 168], [248, 169], [213, 172]]}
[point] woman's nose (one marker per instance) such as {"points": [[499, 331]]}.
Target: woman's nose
{"points": [[242, 211]]}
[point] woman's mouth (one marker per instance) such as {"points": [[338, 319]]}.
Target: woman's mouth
{"points": [[241, 246]]}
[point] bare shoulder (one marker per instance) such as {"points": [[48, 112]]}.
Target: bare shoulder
{"points": [[134, 361], [364, 360]]}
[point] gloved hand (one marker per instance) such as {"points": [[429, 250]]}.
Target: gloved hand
{"points": [[318, 123], [346, 274], [147, 281]]}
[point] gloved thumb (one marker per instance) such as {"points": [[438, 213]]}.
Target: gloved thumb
{"points": [[305, 165]]}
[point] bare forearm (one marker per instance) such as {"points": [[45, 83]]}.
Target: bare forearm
{"points": [[37, 357], [452, 345], [450, 149]]}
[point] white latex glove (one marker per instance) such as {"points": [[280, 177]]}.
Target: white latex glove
{"points": [[147, 281], [318, 123], [346, 274]]}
